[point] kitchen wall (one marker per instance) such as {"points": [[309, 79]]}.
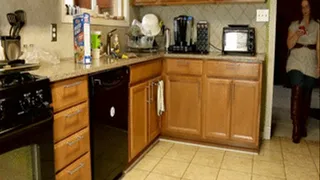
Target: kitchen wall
{"points": [[218, 15], [40, 15]]}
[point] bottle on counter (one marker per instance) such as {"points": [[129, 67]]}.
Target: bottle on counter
{"points": [[116, 44]]}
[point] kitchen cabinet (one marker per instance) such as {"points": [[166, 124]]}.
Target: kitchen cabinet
{"points": [[71, 128], [138, 129], [183, 93], [217, 113], [232, 103], [83, 3], [231, 111], [245, 103], [145, 2], [104, 3], [213, 101], [182, 2], [80, 169], [154, 120], [144, 122], [183, 102]]}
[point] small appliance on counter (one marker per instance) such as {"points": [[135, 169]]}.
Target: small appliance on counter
{"points": [[183, 35], [203, 44], [11, 44], [239, 39], [11, 47]]}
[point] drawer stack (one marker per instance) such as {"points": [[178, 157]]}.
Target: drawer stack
{"points": [[71, 129]]}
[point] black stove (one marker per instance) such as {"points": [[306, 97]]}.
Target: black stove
{"points": [[26, 122], [24, 99]]}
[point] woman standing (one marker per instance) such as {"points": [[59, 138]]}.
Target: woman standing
{"points": [[302, 67]]}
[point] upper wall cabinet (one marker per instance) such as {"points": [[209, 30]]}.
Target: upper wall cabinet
{"points": [[181, 2]]}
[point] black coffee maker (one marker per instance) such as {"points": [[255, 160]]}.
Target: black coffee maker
{"points": [[183, 34]]}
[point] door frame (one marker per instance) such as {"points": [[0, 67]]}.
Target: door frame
{"points": [[270, 69]]}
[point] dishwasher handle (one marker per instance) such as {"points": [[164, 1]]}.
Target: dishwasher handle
{"points": [[108, 85]]}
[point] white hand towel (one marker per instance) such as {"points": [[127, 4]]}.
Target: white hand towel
{"points": [[160, 98]]}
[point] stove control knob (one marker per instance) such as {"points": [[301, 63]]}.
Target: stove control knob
{"points": [[39, 94], [25, 103], [38, 99]]}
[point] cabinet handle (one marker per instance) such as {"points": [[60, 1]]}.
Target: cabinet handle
{"points": [[76, 169], [199, 89], [151, 97], [72, 85], [233, 91], [73, 114], [70, 143], [148, 91]]}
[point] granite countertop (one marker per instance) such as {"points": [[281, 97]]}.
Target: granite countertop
{"points": [[68, 69]]}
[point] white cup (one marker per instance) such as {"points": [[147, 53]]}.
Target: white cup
{"points": [[95, 53]]}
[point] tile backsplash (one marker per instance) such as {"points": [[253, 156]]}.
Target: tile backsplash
{"points": [[40, 15], [218, 15]]}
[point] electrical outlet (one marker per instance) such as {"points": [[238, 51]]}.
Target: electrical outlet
{"points": [[262, 15], [54, 32]]}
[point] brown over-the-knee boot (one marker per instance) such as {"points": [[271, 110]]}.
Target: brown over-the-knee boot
{"points": [[296, 110], [306, 102]]}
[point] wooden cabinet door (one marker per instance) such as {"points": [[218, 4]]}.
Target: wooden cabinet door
{"points": [[197, 1], [183, 103], [245, 111], [104, 3], [138, 116], [154, 120], [83, 3], [145, 1], [217, 112]]}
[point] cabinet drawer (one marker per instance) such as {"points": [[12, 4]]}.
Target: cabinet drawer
{"points": [[144, 71], [70, 121], [237, 70], [68, 150], [79, 170], [69, 92], [184, 66]]}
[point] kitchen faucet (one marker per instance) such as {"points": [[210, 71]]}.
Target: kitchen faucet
{"points": [[109, 35]]}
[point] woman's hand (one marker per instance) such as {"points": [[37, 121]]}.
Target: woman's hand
{"points": [[300, 32]]}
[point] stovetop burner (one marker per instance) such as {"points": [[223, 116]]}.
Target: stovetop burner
{"points": [[15, 79]]}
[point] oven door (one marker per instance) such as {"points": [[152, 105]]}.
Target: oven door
{"points": [[236, 41], [28, 153]]}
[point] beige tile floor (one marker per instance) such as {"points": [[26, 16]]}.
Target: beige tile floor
{"points": [[278, 159]]}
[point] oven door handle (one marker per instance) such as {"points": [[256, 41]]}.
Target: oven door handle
{"points": [[71, 172], [70, 143]]}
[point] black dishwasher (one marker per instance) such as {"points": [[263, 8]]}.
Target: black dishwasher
{"points": [[109, 123]]}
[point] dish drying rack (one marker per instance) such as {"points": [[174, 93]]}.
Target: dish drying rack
{"points": [[144, 43]]}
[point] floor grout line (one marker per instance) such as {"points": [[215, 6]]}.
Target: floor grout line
{"points": [[190, 162], [162, 158], [224, 153], [313, 158], [284, 166]]}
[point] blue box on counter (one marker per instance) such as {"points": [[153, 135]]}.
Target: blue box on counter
{"points": [[82, 45]]}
